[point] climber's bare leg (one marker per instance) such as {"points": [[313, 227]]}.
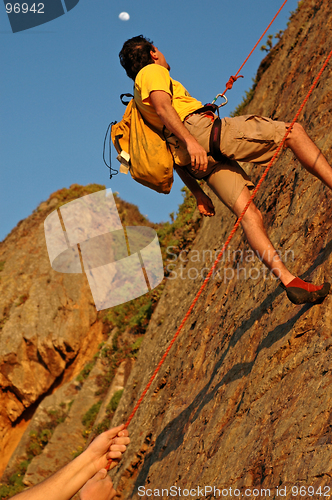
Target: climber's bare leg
{"points": [[259, 241], [309, 155]]}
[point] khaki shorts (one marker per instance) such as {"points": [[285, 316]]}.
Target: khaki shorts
{"points": [[248, 138]]}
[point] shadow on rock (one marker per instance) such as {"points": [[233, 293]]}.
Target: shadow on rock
{"points": [[171, 438]]}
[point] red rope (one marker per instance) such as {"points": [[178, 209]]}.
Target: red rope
{"points": [[233, 79], [236, 225]]}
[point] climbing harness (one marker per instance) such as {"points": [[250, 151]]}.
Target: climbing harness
{"points": [[236, 225]]}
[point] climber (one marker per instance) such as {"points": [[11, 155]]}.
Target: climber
{"points": [[243, 138], [87, 469]]}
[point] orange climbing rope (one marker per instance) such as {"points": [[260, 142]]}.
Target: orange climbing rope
{"points": [[233, 79], [236, 225]]}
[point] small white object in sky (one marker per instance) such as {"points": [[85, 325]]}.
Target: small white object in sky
{"points": [[124, 16]]}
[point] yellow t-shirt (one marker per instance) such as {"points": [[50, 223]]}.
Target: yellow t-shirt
{"points": [[155, 77]]}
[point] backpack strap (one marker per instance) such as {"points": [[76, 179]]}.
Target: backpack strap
{"points": [[113, 171], [125, 95], [117, 143]]}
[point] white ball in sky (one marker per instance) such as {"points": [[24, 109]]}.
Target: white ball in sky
{"points": [[124, 16]]}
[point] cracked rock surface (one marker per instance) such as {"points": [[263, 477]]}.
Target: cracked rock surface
{"points": [[244, 398]]}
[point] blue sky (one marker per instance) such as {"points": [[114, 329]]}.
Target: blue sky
{"points": [[61, 82]]}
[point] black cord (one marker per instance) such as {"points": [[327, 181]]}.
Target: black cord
{"points": [[113, 171]]}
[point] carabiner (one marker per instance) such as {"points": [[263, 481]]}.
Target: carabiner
{"points": [[223, 103]]}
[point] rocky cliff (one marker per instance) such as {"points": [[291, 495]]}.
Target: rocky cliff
{"points": [[63, 366], [243, 401], [49, 326], [47, 318]]}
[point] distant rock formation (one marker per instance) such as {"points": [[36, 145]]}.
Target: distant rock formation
{"points": [[47, 318], [49, 326]]}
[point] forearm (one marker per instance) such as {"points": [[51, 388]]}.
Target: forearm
{"points": [[69, 480], [189, 181], [162, 104], [64, 483], [204, 203]]}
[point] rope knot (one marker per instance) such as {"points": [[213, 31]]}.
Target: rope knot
{"points": [[232, 80]]}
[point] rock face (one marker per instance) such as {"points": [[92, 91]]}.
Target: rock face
{"points": [[243, 400]]}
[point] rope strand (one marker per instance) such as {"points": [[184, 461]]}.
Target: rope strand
{"points": [[233, 79], [236, 225]]}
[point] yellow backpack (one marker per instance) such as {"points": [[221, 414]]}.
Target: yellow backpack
{"points": [[143, 151]]}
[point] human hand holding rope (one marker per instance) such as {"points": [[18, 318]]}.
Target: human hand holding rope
{"points": [[99, 486], [106, 449]]}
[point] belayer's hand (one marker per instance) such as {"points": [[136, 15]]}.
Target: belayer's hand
{"points": [[109, 445], [205, 205], [99, 487], [198, 155]]}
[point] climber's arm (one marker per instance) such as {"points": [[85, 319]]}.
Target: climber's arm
{"points": [[161, 101], [204, 203]]}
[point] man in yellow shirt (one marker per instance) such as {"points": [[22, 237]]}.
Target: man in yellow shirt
{"points": [[165, 102]]}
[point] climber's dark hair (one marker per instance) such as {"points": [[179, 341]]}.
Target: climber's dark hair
{"points": [[135, 54]]}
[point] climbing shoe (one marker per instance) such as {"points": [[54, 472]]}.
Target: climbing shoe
{"points": [[300, 292]]}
